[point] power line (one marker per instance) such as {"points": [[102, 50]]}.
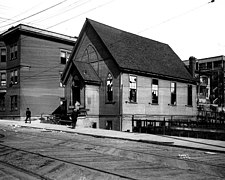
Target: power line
{"points": [[64, 11], [20, 13], [114, 42], [101, 5], [35, 14]]}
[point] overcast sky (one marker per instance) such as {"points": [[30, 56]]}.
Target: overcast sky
{"points": [[190, 27]]}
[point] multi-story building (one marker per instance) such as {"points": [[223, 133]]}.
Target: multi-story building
{"points": [[209, 73], [33, 62], [116, 74], [2, 76]]}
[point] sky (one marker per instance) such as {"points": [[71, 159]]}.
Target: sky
{"points": [[191, 27]]}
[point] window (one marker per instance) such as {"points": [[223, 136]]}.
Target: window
{"points": [[217, 64], [2, 103], [90, 54], [109, 85], [189, 91], [155, 91], [133, 89], [3, 55], [13, 51], [109, 125], [14, 102], [14, 77], [3, 79], [173, 90], [64, 56]]}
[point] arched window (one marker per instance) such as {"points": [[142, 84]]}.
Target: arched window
{"points": [[109, 88], [90, 54]]}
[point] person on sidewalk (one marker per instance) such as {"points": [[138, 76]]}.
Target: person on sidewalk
{"points": [[28, 115], [74, 114]]}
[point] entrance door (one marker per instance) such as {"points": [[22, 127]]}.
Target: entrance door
{"points": [[76, 92]]}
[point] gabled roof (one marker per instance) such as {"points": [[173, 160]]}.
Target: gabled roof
{"points": [[138, 54], [87, 72]]}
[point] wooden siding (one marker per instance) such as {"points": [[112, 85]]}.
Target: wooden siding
{"points": [[95, 97], [143, 106], [39, 68]]}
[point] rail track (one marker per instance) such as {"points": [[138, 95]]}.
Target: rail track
{"points": [[56, 156]]}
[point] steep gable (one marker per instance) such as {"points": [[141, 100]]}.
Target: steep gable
{"points": [[135, 53]]}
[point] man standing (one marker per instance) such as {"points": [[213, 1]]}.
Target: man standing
{"points": [[28, 115], [74, 114]]}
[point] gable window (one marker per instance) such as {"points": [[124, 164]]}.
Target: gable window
{"points": [[3, 55], [64, 56], [189, 95], [13, 51], [14, 77], [14, 103], [109, 84], [173, 91], [3, 79], [133, 88], [155, 91]]}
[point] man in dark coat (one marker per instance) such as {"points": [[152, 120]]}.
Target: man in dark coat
{"points": [[28, 115]]}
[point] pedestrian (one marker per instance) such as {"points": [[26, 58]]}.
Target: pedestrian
{"points": [[74, 114], [28, 115]]}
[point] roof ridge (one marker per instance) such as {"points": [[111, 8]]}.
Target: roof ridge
{"points": [[102, 24]]}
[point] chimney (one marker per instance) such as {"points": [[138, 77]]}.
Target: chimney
{"points": [[192, 65]]}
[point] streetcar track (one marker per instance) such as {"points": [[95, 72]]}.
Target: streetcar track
{"points": [[123, 149], [94, 146], [64, 161], [25, 171]]}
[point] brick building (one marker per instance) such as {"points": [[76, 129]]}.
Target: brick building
{"points": [[116, 74], [209, 73], [2, 75], [33, 61]]}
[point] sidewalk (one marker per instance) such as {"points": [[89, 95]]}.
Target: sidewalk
{"points": [[202, 144]]}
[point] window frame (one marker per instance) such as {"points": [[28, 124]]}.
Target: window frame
{"points": [[67, 53], [189, 95], [132, 89], [155, 90], [14, 77], [109, 88], [13, 51], [1, 55], [3, 80], [2, 103], [14, 102], [173, 93]]}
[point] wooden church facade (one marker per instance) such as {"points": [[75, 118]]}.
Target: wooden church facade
{"points": [[115, 74]]}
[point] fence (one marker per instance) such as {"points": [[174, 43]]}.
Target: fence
{"points": [[211, 126]]}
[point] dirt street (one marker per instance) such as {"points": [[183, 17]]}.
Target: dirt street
{"points": [[27, 153]]}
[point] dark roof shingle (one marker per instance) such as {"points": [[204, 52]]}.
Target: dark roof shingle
{"points": [[87, 72], [133, 52]]}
